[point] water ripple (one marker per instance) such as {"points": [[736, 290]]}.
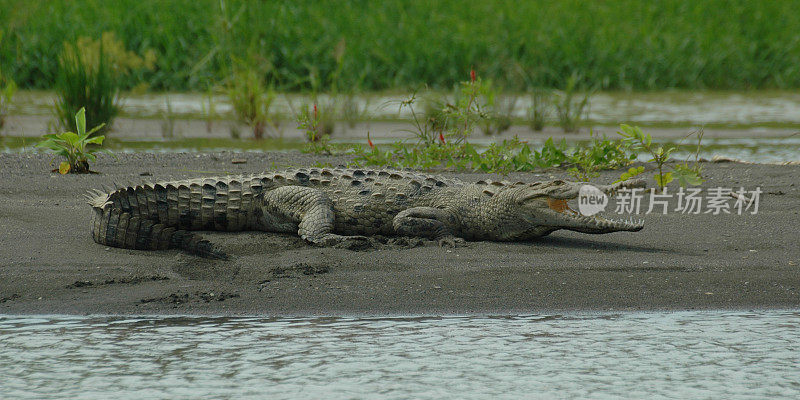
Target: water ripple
{"points": [[632, 355]]}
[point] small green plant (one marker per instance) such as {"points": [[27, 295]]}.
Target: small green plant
{"points": [[685, 171], [326, 106], [434, 122], [571, 109], [540, 109], [251, 100], [317, 140], [78, 148], [638, 140], [90, 76], [470, 108]]}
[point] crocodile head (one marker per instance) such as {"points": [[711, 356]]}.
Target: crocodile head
{"points": [[544, 207]]}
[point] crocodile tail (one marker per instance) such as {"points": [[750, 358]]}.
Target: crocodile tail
{"points": [[114, 226]]}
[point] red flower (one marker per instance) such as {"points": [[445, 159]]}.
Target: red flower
{"points": [[315, 111], [441, 138], [472, 76], [369, 141]]}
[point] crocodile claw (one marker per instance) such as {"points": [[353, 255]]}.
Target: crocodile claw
{"points": [[355, 243], [342, 242], [451, 241]]}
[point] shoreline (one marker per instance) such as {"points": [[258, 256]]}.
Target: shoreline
{"points": [[134, 128], [678, 262]]}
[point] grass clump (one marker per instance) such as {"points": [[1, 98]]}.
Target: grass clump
{"points": [[541, 108], [352, 108], [167, 120], [498, 110], [251, 100], [89, 78], [77, 147], [571, 108], [7, 90]]}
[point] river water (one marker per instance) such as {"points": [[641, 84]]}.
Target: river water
{"points": [[720, 354], [664, 107]]}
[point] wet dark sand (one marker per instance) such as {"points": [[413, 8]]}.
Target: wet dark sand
{"points": [[49, 263]]}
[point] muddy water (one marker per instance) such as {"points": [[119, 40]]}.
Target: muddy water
{"points": [[635, 355], [773, 108]]}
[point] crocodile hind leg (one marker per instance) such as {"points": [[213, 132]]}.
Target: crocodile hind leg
{"points": [[429, 222], [308, 210]]}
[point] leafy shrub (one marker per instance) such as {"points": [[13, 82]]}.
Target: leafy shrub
{"points": [[638, 140], [77, 148]]}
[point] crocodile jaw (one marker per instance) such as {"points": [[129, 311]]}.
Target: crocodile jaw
{"points": [[564, 217], [574, 221]]}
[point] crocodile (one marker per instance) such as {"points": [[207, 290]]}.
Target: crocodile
{"points": [[340, 207]]}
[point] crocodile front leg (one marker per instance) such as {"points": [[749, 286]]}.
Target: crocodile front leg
{"points": [[429, 222], [307, 210]]}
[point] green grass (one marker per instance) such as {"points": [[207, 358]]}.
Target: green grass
{"points": [[392, 44], [92, 89]]}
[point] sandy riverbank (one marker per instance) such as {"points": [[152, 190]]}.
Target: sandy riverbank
{"points": [[49, 264]]}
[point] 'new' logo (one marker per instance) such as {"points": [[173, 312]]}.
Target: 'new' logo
{"points": [[591, 200]]}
